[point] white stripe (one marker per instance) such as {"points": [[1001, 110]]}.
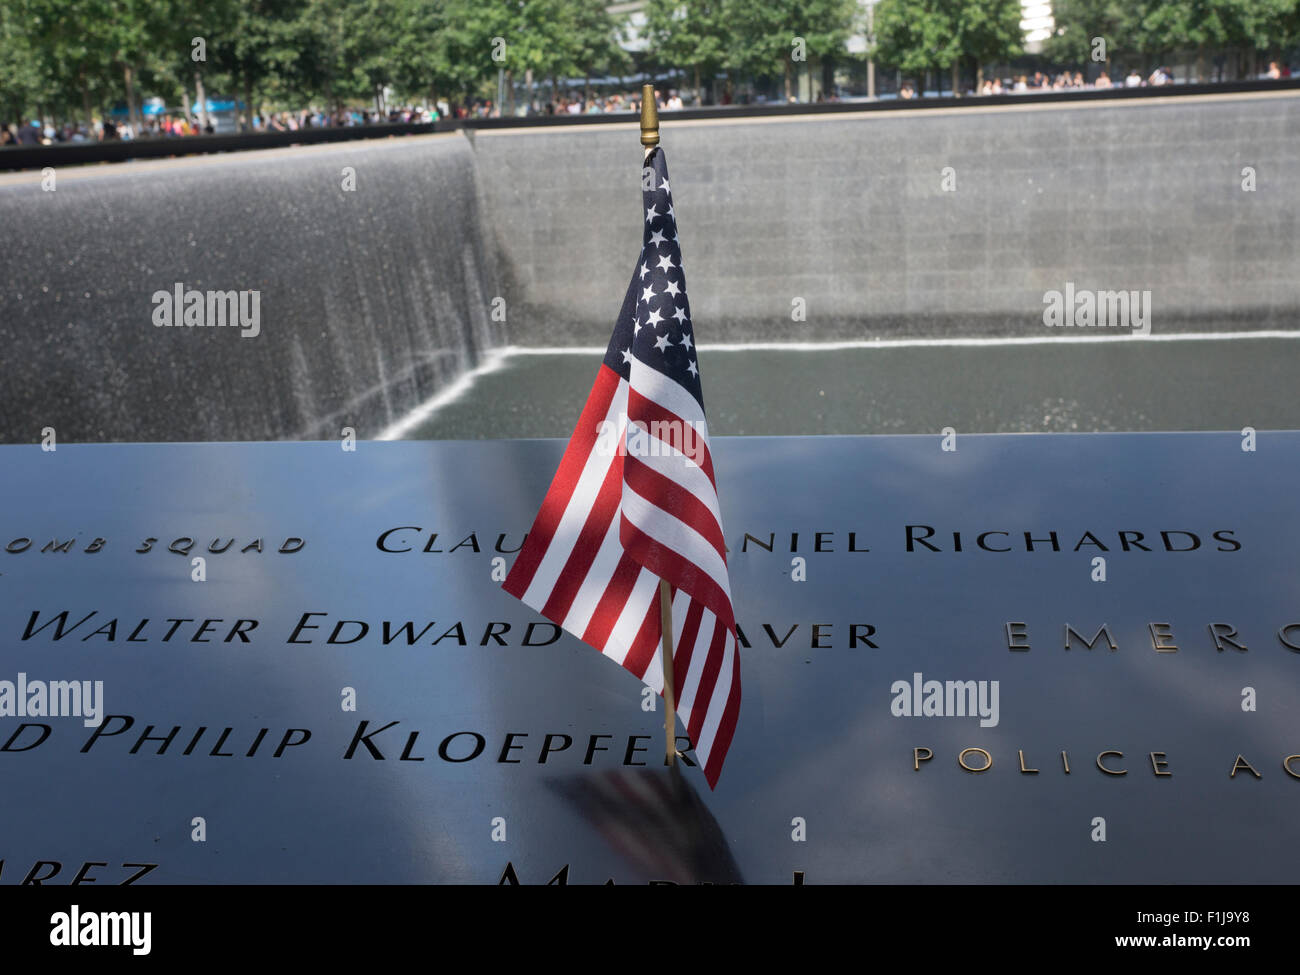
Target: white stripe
{"points": [[670, 395], [596, 581], [577, 510], [622, 636], [699, 658], [671, 463], [722, 691], [675, 534]]}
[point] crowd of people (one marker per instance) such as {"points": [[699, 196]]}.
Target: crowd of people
{"points": [[569, 104], [179, 124], [1163, 75], [1067, 81]]}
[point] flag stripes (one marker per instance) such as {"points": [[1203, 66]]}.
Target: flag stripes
{"points": [[635, 501]]}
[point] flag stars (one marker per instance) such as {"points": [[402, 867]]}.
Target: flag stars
{"points": [[645, 269], [648, 293], [652, 213], [686, 343], [664, 186], [693, 370], [673, 289], [679, 313], [661, 343], [627, 356], [671, 215], [654, 318], [657, 238], [666, 263]]}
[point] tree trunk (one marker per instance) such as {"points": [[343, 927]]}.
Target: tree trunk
{"points": [[979, 78], [788, 72], [132, 114], [956, 79], [699, 96], [509, 107], [248, 103], [85, 107], [586, 90], [201, 97]]}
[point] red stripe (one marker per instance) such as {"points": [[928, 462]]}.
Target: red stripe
{"points": [[680, 572], [685, 646], [704, 693], [642, 654], [648, 411], [726, 728], [566, 479], [665, 493], [611, 604], [603, 511]]}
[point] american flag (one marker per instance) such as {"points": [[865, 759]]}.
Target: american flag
{"points": [[635, 500]]}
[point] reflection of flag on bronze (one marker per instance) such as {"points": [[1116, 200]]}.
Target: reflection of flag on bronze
{"points": [[656, 822], [635, 500]]}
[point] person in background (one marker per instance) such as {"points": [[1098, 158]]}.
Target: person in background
{"points": [[907, 91], [1103, 81], [1134, 80]]}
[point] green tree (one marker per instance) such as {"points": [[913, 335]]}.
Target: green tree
{"points": [[27, 82], [777, 34], [77, 60], [988, 31], [1078, 22], [596, 49], [259, 47], [918, 35], [1206, 25], [690, 35]]}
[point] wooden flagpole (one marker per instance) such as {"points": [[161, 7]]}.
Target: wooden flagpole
{"points": [[666, 646], [650, 139]]}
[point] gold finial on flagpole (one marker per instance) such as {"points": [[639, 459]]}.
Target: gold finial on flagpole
{"points": [[649, 117]]}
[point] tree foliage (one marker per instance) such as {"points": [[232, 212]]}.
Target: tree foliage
{"points": [[75, 58]]}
